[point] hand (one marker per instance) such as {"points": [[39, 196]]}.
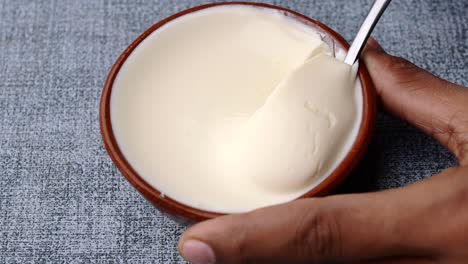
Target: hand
{"points": [[426, 222]]}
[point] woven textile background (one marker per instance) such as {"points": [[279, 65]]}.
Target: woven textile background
{"points": [[61, 198]]}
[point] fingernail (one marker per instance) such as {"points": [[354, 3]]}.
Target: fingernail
{"points": [[197, 252], [372, 43]]}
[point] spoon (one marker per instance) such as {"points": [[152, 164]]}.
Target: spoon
{"points": [[365, 30]]}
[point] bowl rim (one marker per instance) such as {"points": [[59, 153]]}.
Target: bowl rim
{"points": [[178, 209]]}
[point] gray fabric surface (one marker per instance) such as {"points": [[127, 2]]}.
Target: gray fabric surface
{"points": [[62, 199]]}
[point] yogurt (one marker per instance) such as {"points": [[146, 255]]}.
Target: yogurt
{"points": [[233, 108]]}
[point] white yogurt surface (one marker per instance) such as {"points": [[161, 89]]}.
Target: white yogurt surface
{"points": [[233, 108]]}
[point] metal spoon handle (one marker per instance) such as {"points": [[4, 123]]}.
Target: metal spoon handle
{"points": [[364, 32]]}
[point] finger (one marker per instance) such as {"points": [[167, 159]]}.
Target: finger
{"points": [[422, 219], [333, 229], [401, 260], [434, 105], [439, 216]]}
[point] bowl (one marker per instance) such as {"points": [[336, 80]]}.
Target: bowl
{"points": [[183, 212]]}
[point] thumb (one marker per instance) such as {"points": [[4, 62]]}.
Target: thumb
{"points": [[418, 223], [336, 228]]}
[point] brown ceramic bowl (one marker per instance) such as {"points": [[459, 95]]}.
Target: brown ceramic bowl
{"points": [[182, 211]]}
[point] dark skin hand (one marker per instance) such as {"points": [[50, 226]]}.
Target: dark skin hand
{"points": [[426, 222]]}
